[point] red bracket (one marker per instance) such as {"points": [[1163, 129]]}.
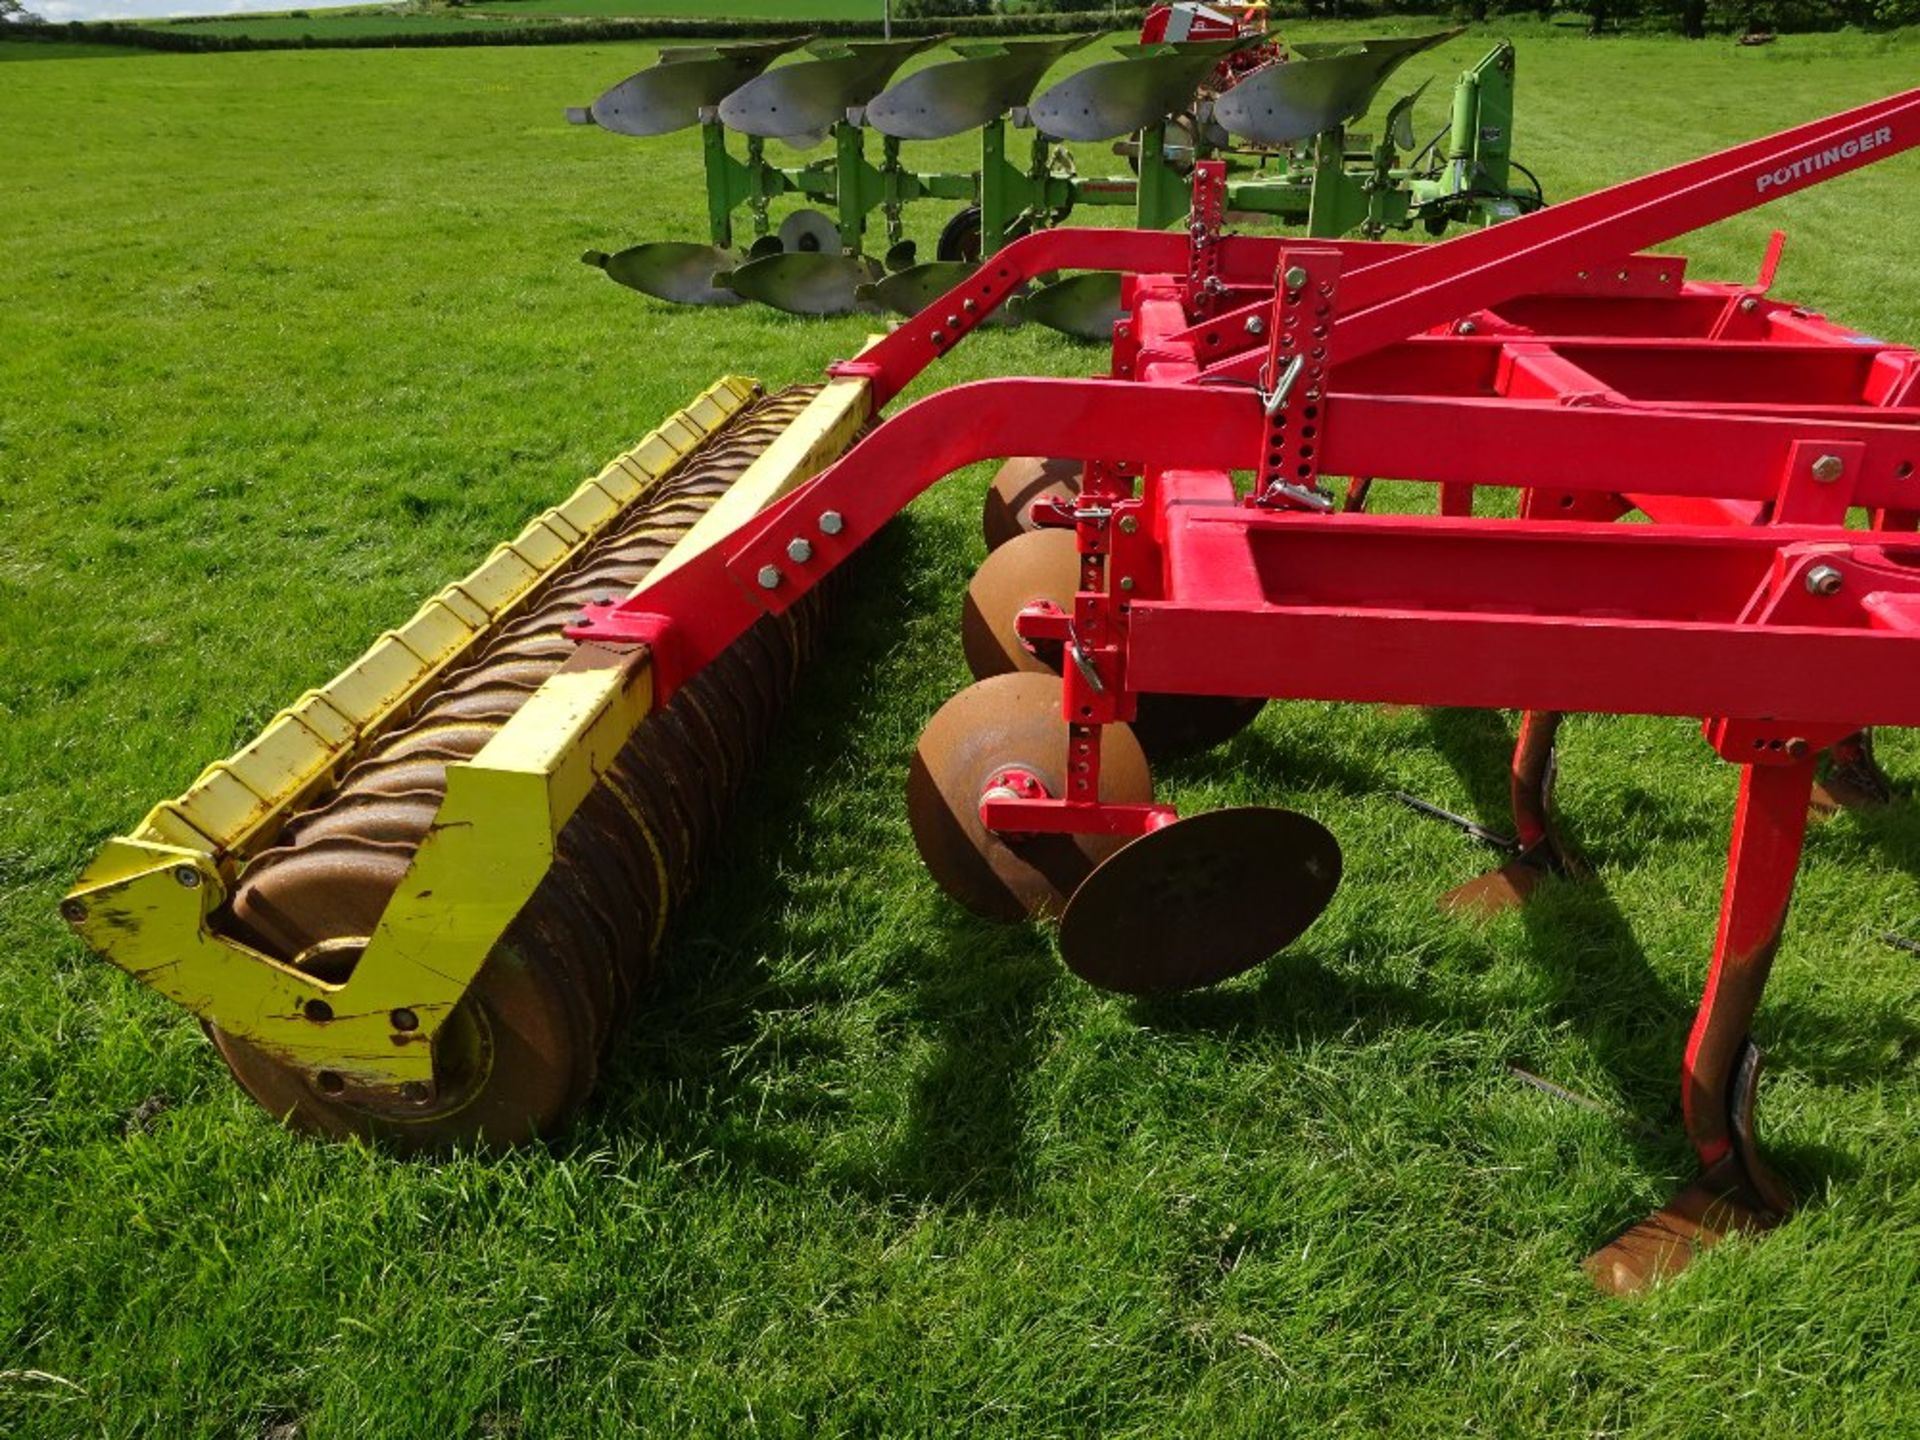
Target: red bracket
{"points": [[1817, 484], [603, 622], [1205, 289], [1294, 378]]}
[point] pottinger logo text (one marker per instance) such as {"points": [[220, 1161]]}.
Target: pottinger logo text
{"points": [[1820, 159]]}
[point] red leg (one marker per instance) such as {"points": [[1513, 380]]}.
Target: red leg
{"points": [[1530, 788], [1735, 1190]]}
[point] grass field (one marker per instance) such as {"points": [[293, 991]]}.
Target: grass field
{"points": [[291, 339]]}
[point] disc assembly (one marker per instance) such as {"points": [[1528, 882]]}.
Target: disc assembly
{"points": [[1200, 900], [1001, 734]]}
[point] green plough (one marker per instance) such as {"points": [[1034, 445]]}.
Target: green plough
{"points": [[1279, 116]]}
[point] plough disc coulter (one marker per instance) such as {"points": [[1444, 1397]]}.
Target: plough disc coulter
{"points": [[418, 904], [1202, 82]]}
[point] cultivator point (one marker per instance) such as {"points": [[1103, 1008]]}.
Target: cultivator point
{"points": [[1204, 81], [416, 906]]}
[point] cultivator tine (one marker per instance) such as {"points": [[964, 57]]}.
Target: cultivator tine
{"points": [[811, 95], [990, 79], [670, 94], [1119, 97], [1536, 849], [807, 284], [1083, 306], [674, 270], [1281, 104]]}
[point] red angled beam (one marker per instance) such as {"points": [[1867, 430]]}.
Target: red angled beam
{"points": [[1436, 283]]}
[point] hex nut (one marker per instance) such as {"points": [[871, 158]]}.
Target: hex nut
{"points": [[1824, 580], [1828, 468]]}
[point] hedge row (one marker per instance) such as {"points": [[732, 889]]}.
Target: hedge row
{"points": [[572, 32]]}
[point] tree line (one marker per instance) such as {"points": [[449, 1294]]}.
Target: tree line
{"points": [[1694, 18]]}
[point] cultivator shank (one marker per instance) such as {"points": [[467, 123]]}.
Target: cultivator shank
{"points": [[490, 847]]}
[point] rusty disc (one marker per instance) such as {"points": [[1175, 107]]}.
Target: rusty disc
{"points": [[1200, 900], [1010, 720], [1041, 565], [1021, 481]]}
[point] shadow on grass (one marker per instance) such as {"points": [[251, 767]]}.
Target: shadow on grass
{"points": [[733, 1058], [698, 1074]]}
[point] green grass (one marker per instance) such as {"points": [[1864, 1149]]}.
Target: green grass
{"points": [[290, 339]]}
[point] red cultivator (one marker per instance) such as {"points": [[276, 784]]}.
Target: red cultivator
{"points": [[1188, 562]]}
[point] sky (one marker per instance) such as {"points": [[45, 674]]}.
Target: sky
{"points": [[60, 11]]}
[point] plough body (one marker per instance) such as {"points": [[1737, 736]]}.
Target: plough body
{"points": [[1201, 83]]}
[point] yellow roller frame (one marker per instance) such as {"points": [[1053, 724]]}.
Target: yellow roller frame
{"points": [[148, 900]]}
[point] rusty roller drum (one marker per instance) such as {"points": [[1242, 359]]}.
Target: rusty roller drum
{"points": [[523, 1049]]}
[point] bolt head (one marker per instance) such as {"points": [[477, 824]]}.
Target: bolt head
{"points": [[404, 1020], [1129, 524], [953, 322], [1296, 277], [186, 877], [1466, 327], [799, 550], [1256, 325], [769, 577], [831, 522], [939, 338], [1828, 468], [1126, 582], [1748, 304], [1824, 580]]}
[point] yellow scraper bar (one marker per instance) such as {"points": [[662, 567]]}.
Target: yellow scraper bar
{"points": [[146, 902]]}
